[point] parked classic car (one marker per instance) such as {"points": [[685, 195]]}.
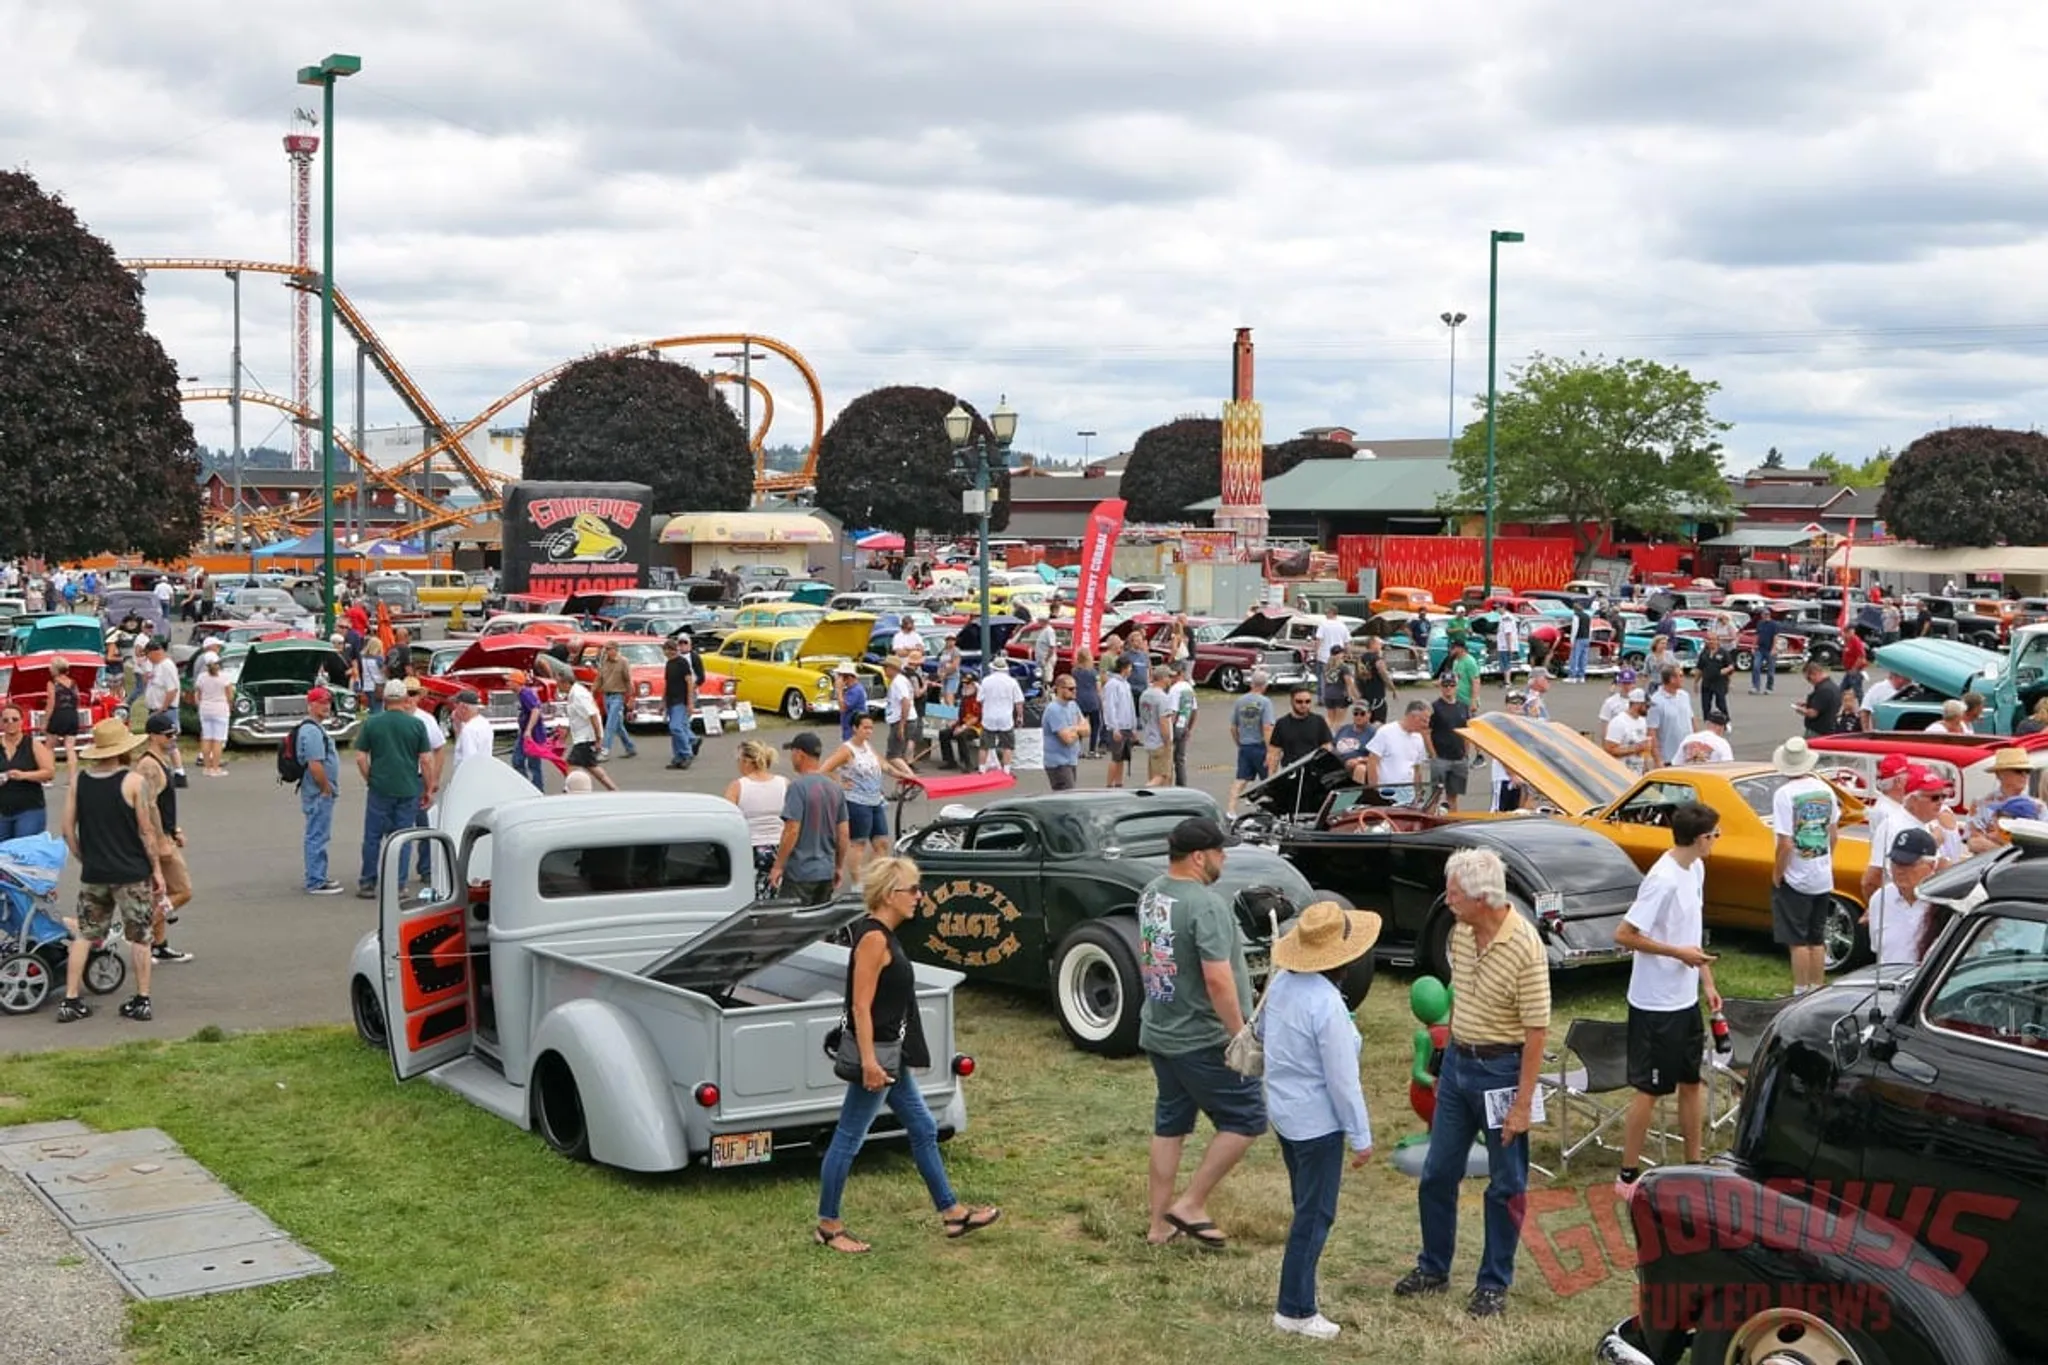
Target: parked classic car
{"points": [[529, 623], [643, 655], [1227, 652], [25, 682], [1042, 891], [265, 604], [2010, 680], [1883, 1201], [1408, 599], [790, 670], [1585, 784], [777, 616], [270, 690], [1963, 761], [494, 667], [592, 969], [57, 632], [1569, 882]]}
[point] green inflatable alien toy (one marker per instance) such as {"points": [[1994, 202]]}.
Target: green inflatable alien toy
{"points": [[1429, 1000]]}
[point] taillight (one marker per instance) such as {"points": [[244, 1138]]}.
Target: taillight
{"points": [[706, 1095], [963, 1065]]}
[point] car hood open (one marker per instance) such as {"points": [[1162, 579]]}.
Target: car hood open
{"points": [[293, 661], [1949, 667], [501, 651], [1260, 625], [1570, 771], [842, 635]]}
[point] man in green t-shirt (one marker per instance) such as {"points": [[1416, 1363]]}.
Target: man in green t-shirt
{"points": [[1465, 669], [393, 756], [1197, 994]]}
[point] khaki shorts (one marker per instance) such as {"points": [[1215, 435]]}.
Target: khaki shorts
{"points": [[1159, 763], [177, 878], [99, 902]]}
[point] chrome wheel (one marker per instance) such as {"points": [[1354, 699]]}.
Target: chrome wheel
{"points": [[1229, 679], [793, 705], [1840, 942], [1786, 1336]]}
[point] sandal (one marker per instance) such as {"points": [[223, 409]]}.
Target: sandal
{"points": [[831, 1240], [1202, 1235], [971, 1221]]}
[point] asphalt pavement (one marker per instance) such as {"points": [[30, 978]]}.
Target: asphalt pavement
{"points": [[265, 955]]}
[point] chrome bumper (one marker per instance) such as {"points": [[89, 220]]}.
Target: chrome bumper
{"points": [[273, 729]]}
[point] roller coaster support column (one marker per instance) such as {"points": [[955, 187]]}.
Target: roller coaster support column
{"points": [[235, 413], [337, 65]]}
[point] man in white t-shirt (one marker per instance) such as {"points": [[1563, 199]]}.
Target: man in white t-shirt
{"points": [[1331, 634], [1807, 820], [1001, 700], [1397, 751], [1616, 702], [473, 737], [1896, 913], [1628, 734], [1884, 817], [1671, 970], [1878, 693], [899, 708], [160, 694], [1709, 743], [906, 638], [1507, 642]]}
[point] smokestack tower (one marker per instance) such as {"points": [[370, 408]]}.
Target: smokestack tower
{"points": [[1243, 509]]}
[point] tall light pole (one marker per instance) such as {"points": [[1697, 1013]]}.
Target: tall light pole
{"points": [[235, 412], [1086, 437], [973, 452], [1492, 342], [1453, 321], [337, 65]]}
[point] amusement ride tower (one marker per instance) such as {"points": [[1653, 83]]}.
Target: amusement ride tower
{"points": [[299, 145]]}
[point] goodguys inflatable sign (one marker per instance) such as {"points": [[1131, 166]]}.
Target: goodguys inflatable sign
{"points": [[576, 537]]}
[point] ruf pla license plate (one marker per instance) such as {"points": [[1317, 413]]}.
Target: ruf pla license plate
{"points": [[741, 1149]]}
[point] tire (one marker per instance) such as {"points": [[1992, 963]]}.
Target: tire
{"points": [[1633, 659], [25, 983], [368, 1012], [1744, 660], [558, 1108], [1095, 986], [1845, 944], [793, 705], [1433, 945], [1358, 977], [1229, 678], [106, 971]]}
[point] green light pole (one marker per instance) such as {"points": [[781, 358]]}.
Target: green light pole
{"points": [[972, 454], [337, 65], [1492, 341]]}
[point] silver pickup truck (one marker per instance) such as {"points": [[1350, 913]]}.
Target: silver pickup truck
{"points": [[591, 967]]}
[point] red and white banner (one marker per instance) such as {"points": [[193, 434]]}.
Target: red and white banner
{"points": [[1098, 550]]}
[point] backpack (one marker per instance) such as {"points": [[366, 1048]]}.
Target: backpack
{"points": [[291, 762]]}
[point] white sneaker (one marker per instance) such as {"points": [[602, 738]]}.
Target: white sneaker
{"points": [[1316, 1326]]}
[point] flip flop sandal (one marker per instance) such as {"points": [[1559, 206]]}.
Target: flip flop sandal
{"points": [[826, 1239], [1203, 1235], [957, 1228]]}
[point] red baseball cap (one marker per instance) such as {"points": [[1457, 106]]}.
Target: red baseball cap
{"points": [[1893, 765], [318, 694], [1919, 779]]}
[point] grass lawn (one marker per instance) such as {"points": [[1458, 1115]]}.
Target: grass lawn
{"points": [[461, 1239]]}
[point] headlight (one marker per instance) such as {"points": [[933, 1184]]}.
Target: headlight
{"points": [[244, 706], [645, 689], [824, 685]]}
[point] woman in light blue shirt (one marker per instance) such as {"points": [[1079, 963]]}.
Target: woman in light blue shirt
{"points": [[1313, 1095]]}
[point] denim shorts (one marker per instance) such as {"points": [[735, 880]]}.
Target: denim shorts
{"points": [[866, 822], [1251, 762], [1193, 1082]]}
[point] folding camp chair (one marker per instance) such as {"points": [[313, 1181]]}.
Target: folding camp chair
{"points": [[1600, 1047], [1747, 1020]]}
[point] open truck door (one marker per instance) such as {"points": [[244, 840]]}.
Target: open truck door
{"points": [[423, 949]]}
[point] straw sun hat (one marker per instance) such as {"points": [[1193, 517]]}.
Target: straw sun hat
{"points": [[1326, 936], [111, 738]]}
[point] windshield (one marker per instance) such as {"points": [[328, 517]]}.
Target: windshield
{"points": [[81, 637], [642, 654], [1145, 832], [444, 659], [1210, 634], [1758, 792]]}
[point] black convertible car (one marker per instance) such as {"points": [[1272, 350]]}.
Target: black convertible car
{"points": [[1572, 884]]}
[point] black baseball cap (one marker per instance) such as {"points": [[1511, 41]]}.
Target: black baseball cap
{"points": [[160, 723], [1913, 846], [806, 743], [1716, 716], [1196, 834]]}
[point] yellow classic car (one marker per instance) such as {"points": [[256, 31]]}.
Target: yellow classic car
{"points": [[1030, 602], [790, 669], [778, 616], [1568, 774]]}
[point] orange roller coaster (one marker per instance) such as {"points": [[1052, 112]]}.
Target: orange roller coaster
{"points": [[447, 439]]}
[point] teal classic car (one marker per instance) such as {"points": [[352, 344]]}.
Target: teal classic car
{"points": [[2010, 681], [58, 631], [1042, 892]]}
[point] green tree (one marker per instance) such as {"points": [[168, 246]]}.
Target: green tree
{"points": [[1180, 463], [1773, 460], [1969, 486], [886, 462], [1595, 443], [1870, 474], [639, 420], [95, 450]]}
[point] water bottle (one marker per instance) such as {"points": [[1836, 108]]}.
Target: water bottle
{"points": [[1717, 1023]]}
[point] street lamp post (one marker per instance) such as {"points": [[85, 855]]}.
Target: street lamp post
{"points": [[1086, 437], [337, 65], [973, 452], [1453, 321], [1492, 342]]}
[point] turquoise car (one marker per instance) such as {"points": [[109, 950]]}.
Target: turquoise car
{"points": [[73, 634], [2010, 682]]}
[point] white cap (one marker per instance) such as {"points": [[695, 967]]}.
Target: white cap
{"points": [[1636, 697]]}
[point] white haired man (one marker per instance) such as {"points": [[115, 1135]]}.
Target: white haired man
{"points": [[1500, 1015]]}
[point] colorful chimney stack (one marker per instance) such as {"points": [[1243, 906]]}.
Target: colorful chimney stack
{"points": [[1244, 452]]}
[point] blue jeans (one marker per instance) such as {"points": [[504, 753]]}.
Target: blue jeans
{"points": [[1576, 669], [526, 765], [319, 813], [682, 744], [615, 725], [1506, 659], [1315, 1167], [426, 851], [384, 815], [855, 1118], [1460, 1116], [1763, 670], [24, 823]]}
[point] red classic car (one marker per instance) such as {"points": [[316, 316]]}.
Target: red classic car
{"points": [[1023, 642], [1850, 761], [25, 679], [644, 657], [494, 668], [1227, 651]]}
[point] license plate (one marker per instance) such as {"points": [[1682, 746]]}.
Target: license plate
{"points": [[1550, 902], [741, 1149]]}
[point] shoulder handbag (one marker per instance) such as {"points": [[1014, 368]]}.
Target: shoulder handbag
{"points": [[842, 1045], [1246, 1052]]}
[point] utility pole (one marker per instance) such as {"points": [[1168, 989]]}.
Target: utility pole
{"points": [[361, 472], [235, 413]]}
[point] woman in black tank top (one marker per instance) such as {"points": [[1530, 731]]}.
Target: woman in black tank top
{"points": [[881, 1007], [60, 706], [25, 765]]}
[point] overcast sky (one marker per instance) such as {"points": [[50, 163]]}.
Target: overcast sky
{"points": [[1834, 209]]}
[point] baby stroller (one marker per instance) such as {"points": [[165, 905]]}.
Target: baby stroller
{"points": [[33, 945]]}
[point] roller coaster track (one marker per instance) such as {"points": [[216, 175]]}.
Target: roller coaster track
{"points": [[449, 441]]}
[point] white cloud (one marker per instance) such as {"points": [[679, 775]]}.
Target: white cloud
{"points": [[1831, 209]]}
